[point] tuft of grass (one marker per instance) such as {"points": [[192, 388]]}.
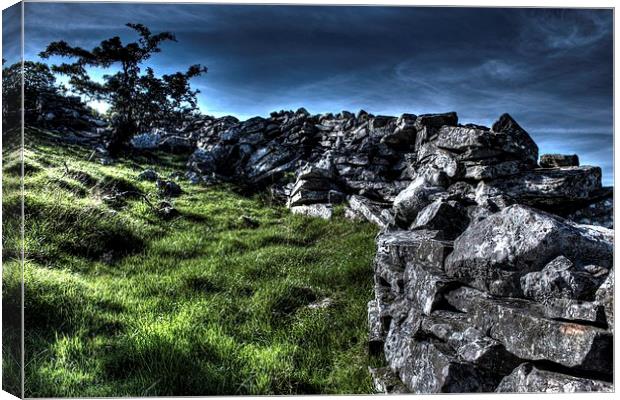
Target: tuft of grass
{"points": [[120, 302]]}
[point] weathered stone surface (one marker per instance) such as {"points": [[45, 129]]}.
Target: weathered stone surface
{"points": [[495, 253], [424, 247], [424, 286], [324, 211], [376, 213], [478, 144], [436, 120], [404, 134], [447, 216], [527, 334], [413, 199], [527, 378], [506, 124], [605, 297], [559, 160], [559, 279], [431, 366], [548, 188], [600, 212], [376, 334]]}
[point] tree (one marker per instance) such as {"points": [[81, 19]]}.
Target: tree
{"points": [[139, 100], [37, 79]]}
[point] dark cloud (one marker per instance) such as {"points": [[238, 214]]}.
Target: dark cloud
{"points": [[11, 33], [551, 69]]}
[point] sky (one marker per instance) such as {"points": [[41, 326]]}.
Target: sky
{"points": [[551, 69]]}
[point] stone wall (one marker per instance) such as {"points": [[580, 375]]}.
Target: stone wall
{"points": [[494, 267]]}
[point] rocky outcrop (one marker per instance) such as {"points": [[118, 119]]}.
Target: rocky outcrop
{"points": [[494, 269]]}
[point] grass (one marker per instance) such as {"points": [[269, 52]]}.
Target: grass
{"points": [[120, 301]]}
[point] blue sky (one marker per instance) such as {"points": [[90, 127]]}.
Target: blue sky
{"points": [[551, 69]]}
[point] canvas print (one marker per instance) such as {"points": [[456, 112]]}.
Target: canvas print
{"points": [[222, 199]]}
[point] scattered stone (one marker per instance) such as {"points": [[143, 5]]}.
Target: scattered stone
{"points": [[148, 175], [324, 211], [168, 188], [249, 222], [321, 304]]}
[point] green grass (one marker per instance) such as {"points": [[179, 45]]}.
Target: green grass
{"points": [[120, 301]]}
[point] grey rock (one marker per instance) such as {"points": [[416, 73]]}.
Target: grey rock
{"points": [[447, 216], [559, 280], [481, 171], [168, 188], [404, 134], [177, 144], [600, 212], [605, 297], [529, 335], [559, 160], [424, 286], [385, 381], [436, 120], [506, 124], [324, 211], [552, 188], [374, 212], [423, 247], [431, 366], [413, 199], [148, 175], [493, 254], [478, 144], [527, 378]]}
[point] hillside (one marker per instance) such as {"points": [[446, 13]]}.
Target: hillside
{"points": [[228, 294]]}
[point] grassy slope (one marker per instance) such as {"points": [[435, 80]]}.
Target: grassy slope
{"points": [[122, 302]]}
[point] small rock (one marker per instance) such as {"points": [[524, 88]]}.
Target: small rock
{"points": [[148, 175], [249, 221], [168, 188], [324, 211]]}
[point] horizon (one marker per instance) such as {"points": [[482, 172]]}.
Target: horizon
{"points": [[551, 69]]}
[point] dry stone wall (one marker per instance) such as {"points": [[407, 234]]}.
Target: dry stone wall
{"points": [[494, 266]]}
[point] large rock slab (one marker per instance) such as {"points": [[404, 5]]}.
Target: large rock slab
{"points": [[552, 189], [494, 253], [478, 144], [525, 332], [527, 378]]}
